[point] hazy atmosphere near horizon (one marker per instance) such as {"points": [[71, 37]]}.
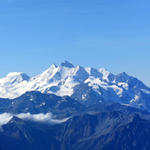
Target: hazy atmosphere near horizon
{"points": [[102, 33]]}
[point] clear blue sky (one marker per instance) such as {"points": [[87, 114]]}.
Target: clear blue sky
{"points": [[114, 34]]}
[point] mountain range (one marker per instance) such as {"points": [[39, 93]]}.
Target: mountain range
{"points": [[87, 85], [70, 107], [115, 127]]}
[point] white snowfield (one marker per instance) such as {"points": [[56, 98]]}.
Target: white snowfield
{"points": [[61, 80]]}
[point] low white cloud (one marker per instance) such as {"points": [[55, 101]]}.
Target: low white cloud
{"points": [[4, 118], [36, 117], [46, 118]]}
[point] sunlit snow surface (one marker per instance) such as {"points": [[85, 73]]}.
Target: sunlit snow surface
{"points": [[62, 80]]}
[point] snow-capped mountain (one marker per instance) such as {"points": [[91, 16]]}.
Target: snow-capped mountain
{"points": [[86, 84]]}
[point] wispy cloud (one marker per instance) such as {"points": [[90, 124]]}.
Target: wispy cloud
{"points": [[48, 117], [45, 118]]}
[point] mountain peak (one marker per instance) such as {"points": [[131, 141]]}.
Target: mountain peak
{"points": [[124, 74], [14, 74], [67, 64], [51, 68], [17, 75], [122, 77], [104, 70]]}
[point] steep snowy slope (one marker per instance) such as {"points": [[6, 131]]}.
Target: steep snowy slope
{"points": [[86, 84], [12, 85]]}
